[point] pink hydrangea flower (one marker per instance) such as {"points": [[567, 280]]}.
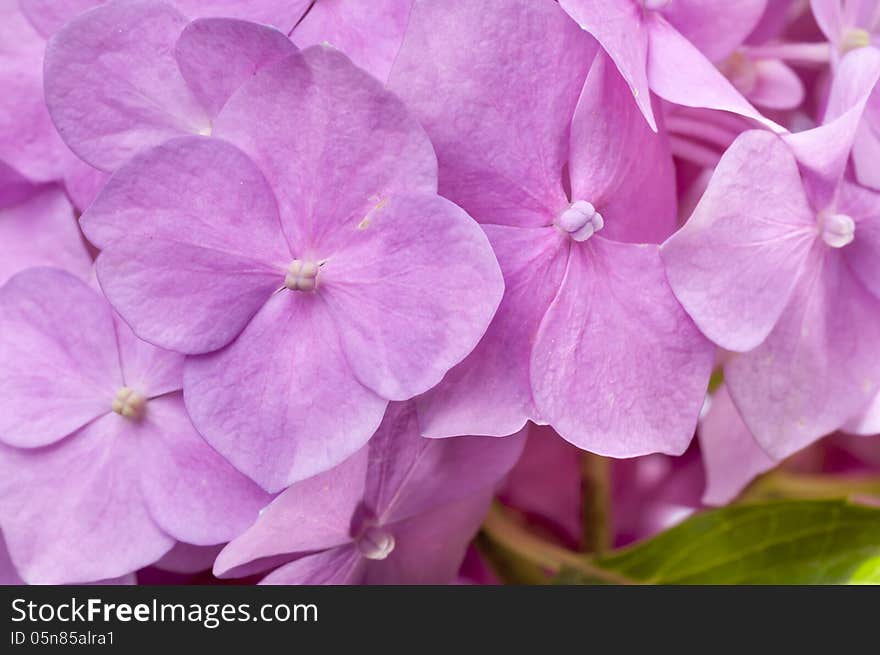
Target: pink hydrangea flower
{"points": [[574, 190], [779, 262], [656, 45], [101, 468], [400, 511], [311, 265]]}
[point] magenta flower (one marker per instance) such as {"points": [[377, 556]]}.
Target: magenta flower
{"points": [[101, 468], [779, 261], [589, 337], [312, 263], [656, 45], [40, 230], [400, 511], [369, 33]]}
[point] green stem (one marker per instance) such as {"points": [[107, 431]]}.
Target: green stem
{"points": [[785, 484], [596, 503], [500, 527]]}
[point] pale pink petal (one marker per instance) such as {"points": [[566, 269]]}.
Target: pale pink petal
{"points": [[28, 140], [681, 74], [42, 231], [413, 291], [73, 512], [112, 83], [49, 16], [618, 164], [618, 368], [824, 151], [716, 27], [193, 493], [730, 453], [286, 417], [819, 366], [202, 247], [498, 108], [829, 18], [863, 254], [218, 55], [337, 566], [867, 423], [619, 26], [186, 558], [83, 183], [311, 515], [60, 368], [370, 34], [8, 572], [734, 264], [331, 141], [148, 370], [777, 86], [281, 14], [866, 153], [490, 393]]}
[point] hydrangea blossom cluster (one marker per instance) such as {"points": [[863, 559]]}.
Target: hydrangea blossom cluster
{"points": [[297, 289]]}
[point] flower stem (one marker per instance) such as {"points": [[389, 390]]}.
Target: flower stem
{"points": [[596, 503]]}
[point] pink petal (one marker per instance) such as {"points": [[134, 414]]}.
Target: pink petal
{"points": [[490, 392], [619, 26], [60, 368], [42, 231], [370, 34], [500, 128], [337, 566], [429, 548], [218, 55], [410, 475], [413, 291], [730, 453], [28, 140], [83, 183], [829, 17], [618, 368], [824, 151], [777, 85], [681, 74], [818, 367], [863, 254], [314, 514], [73, 512], [8, 572], [618, 164], [332, 143], [193, 243], [281, 14], [734, 264], [193, 493], [49, 16], [287, 417], [186, 558], [149, 370], [112, 83], [716, 27], [866, 423]]}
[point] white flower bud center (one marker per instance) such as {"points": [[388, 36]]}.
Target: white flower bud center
{"points": [[375, 543], [580, 221], [855, 38], [838, 230], [129, 403], [301, 276]]}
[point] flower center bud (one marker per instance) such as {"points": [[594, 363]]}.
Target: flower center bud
{"points": [[375, 543], [301, 276], [854, 39], [129, 403], [580, 220], [838, 230]]}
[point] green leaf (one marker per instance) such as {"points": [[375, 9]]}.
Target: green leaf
{"points": [[776, 542]]}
